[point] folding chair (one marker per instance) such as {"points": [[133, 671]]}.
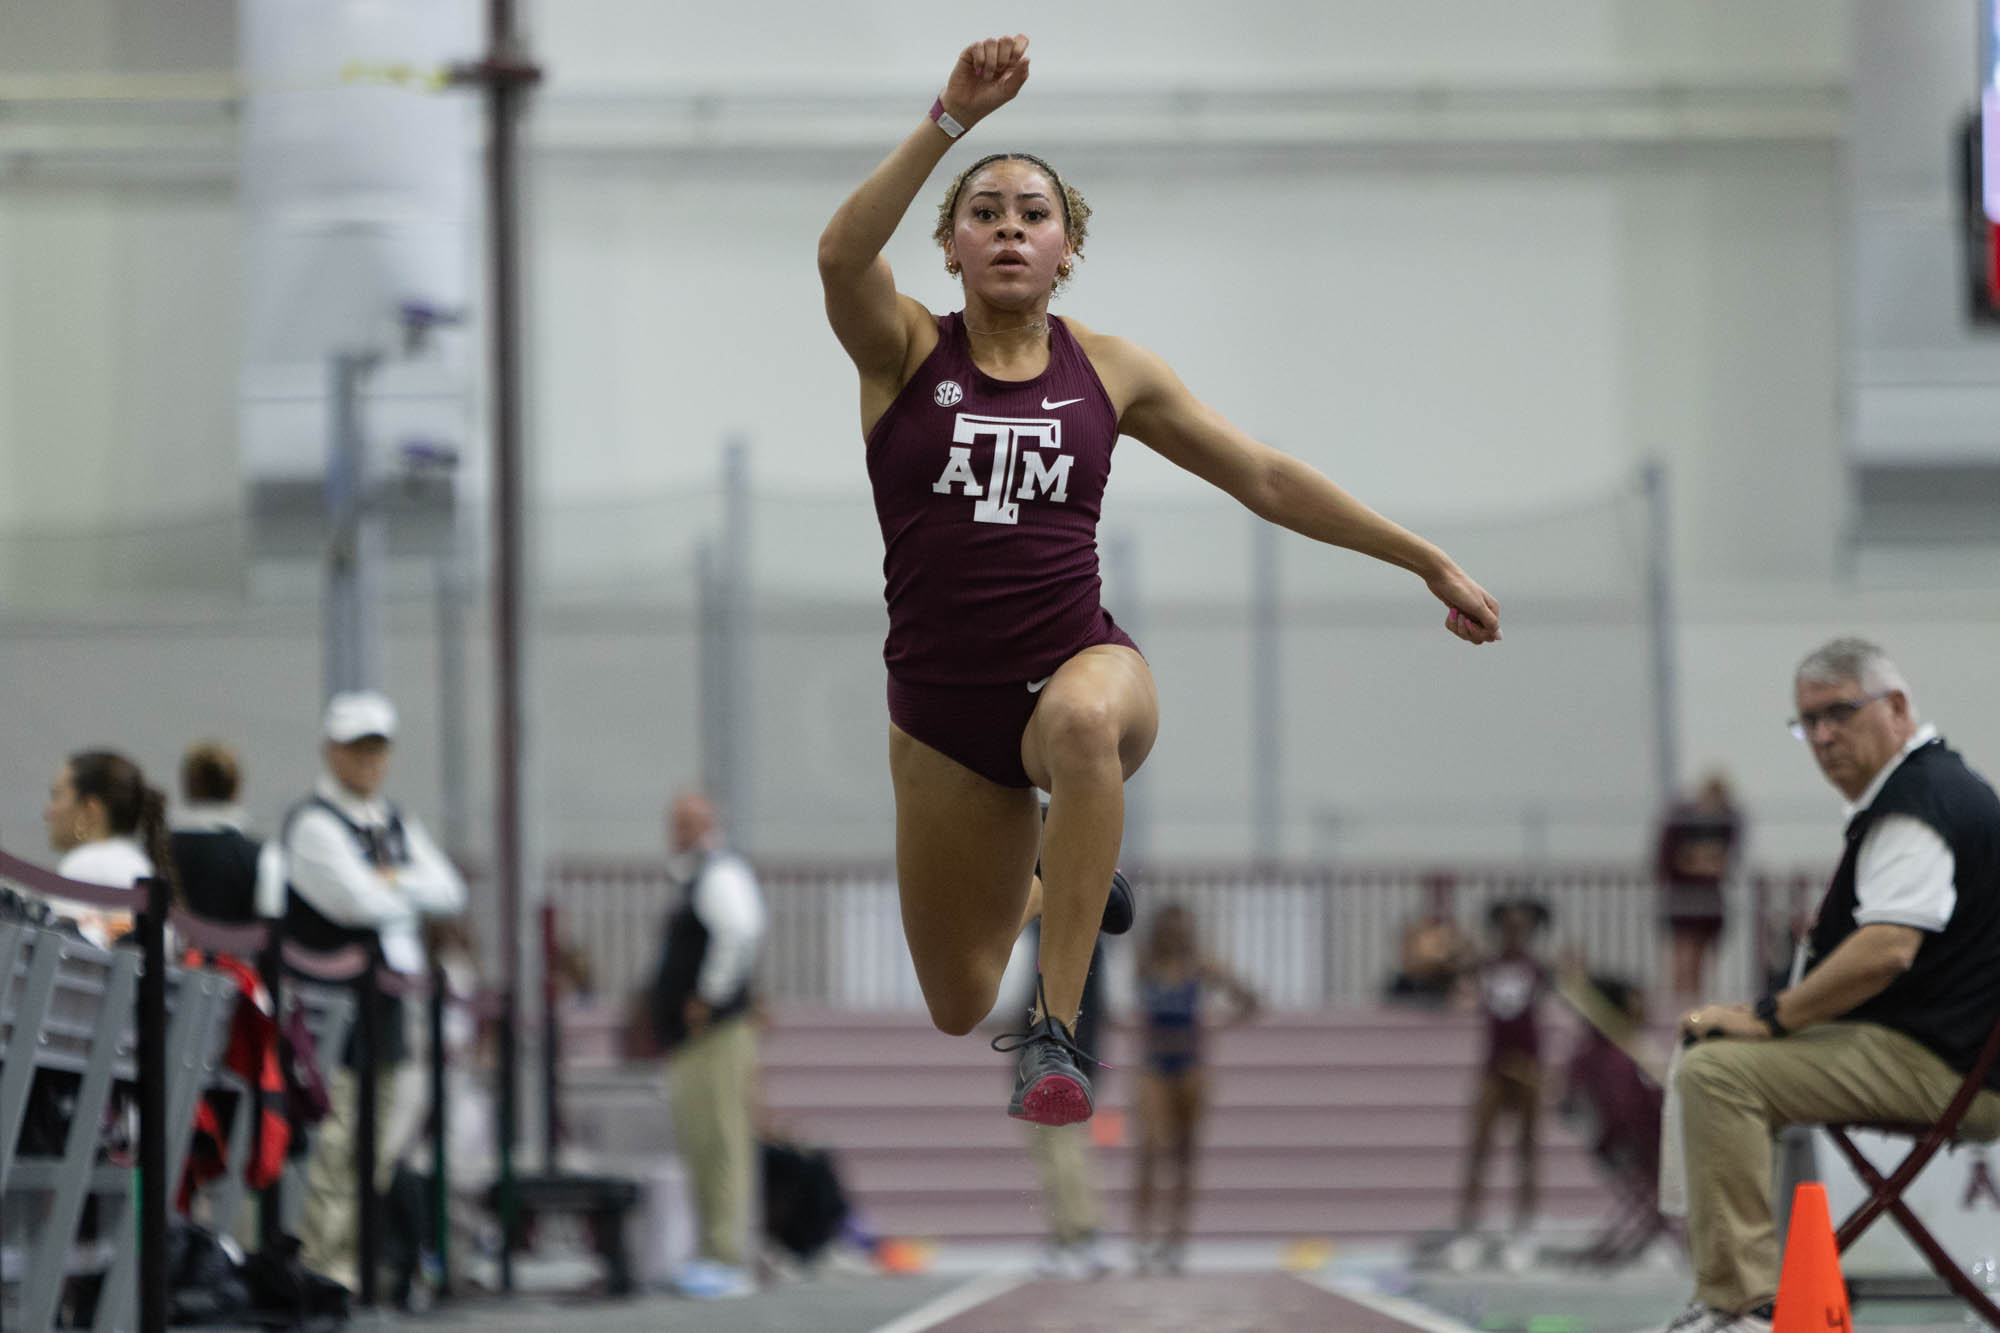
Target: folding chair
{"points": [[199, 1005], [1886, 1192], [67, 1006]]}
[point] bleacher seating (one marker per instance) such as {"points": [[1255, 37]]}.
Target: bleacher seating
{"points": [[67, 1037], [1346, 1125]]}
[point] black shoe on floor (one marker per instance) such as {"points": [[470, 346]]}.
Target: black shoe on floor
{"points": [[1120, 908]]}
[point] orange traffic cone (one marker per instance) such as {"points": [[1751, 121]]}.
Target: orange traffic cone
{"points": [[1812, 1296]]}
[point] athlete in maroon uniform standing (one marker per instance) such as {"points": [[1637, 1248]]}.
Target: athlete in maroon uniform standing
{"points": [[989, 440]]}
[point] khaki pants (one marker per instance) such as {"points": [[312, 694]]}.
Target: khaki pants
{"points": [[331, 1212], [711, 1088], [1736, 1094], [1069, 1195]]}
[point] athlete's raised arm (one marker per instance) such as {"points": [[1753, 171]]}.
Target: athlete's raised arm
{"points": [[1160, 412], [873, 322]]}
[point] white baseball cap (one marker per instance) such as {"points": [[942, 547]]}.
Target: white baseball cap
{"points": [[358, 713]]}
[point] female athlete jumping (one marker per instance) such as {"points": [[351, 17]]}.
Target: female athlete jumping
{"points": [[989, 436]]}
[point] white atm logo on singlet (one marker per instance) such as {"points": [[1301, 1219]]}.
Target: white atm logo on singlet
{"points": [[1016, 440]]}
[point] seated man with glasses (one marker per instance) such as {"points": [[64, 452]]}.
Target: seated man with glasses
{"points": [[1900, 987]]}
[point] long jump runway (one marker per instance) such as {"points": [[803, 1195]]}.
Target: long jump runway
{"points": [[1204, 1303]]}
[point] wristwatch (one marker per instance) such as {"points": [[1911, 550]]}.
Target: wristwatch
{"points": [[1767, 1014]]}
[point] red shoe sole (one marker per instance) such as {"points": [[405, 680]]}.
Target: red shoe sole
{"points": [[1055, 1101]]}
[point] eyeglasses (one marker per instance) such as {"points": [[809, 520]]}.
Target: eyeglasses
{"points": [[1839, 713]]}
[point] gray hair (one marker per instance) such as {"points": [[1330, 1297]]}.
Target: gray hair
{"points": [[1857, 660]]}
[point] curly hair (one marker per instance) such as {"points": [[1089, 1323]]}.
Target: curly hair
{"points": [[1076, 213]]}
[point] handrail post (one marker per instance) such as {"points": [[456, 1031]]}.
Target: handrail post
{"points": [[440, 1142], [154, 1187], [270, 966], [367, 1041]]}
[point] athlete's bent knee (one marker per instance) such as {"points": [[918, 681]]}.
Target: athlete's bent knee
{"points": [[958, 1013], [1080, 732]]}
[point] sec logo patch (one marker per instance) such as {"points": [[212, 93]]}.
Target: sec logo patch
{"points": [[947, 393]]}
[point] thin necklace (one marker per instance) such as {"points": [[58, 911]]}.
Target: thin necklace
{"points": [[1039, 326]]}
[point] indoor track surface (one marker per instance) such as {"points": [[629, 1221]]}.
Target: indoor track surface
{"points": [[1349, 1297]]}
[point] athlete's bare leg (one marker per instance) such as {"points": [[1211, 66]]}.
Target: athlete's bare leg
{"points": [[1093, 728], [965, 853], [1034, 906], [1188, 1103], [1149, 1103]]}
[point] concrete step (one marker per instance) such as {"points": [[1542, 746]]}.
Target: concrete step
{"points": [[1317, 1127], [1385, 1216], [1368, 1039], [1348, 1126], [1335, 1171], [1233, 1086], [1266, 1042]]}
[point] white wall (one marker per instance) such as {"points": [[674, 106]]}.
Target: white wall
{"points": [[779, 43], [1478, 268], [117, 331]]}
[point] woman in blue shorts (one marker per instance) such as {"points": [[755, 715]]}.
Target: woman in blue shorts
{"points": [[1170, 1091], [989, 435]]}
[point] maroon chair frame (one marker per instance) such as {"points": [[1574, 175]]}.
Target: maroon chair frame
{"points": [[1885, 1193]]}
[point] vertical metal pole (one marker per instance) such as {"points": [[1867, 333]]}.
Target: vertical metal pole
{"points": [[504, 77], [1121, 565], [1660, 614], [551, 1070], [440, 1131], [368, 1036], [1264, 698], [354, 545], [452, 767], [153, 1185], [734, 791], [711, 667], [271, 1203]]}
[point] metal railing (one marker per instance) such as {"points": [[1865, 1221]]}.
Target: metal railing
{"points": [[1310, 937]]}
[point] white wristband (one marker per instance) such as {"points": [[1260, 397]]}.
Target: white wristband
{"points": [[942, 119]]}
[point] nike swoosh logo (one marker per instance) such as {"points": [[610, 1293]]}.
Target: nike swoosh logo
{"points": [[1048, 406], [1035, 686]]}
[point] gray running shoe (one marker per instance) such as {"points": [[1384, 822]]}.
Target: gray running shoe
{"points": [[1050, 1087]]}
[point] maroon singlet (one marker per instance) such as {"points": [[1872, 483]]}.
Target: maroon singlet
{"points": [[988, 492]]}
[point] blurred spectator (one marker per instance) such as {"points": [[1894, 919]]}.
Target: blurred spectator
{"points": [[111, 829], [225, 875], [1432, 955], [1698, 840], [704, 1019], [362, 871], [1512, 982], [1171, 1092], [1062, 1153]]}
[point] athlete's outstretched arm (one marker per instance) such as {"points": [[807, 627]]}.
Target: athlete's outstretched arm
{"points": [[1161, 413], [868, 317]]}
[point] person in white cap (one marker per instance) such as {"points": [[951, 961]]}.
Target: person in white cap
{"points": [[360, 870]]}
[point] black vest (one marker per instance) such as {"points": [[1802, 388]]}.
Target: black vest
{"points": [[218, 872], [683, 946], [312, 929], [1950, 997]]}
